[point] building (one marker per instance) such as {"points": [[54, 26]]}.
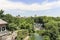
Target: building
{"points": [[3, 30], [2, 25], [4, 33]]}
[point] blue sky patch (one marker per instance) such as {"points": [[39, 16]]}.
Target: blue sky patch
{"points": [[29, 1], [32, 1]]}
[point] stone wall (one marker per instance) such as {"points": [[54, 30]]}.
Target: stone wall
{"points": [[9, 37], [6, 37]]}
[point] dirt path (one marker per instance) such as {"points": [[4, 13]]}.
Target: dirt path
{"points": [[26, 38]]}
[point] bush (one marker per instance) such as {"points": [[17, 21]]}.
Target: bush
{"points": [[46, 37], [21, 34]]}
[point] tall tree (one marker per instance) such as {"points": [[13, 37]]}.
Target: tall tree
{"points": [[1, 13]]}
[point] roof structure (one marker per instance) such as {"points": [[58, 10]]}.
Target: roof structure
{"points": [[2, 21]]}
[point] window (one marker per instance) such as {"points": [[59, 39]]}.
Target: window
{"points": [[3, 28]]}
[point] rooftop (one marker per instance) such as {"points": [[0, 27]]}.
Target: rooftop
{"points": [[2, 21]]}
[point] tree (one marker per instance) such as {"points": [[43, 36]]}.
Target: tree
{"points": [[1, 13], [53, 25], [9, 18], [12, 27]]}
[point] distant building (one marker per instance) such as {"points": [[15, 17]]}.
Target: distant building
{"points": [[18, 16]]}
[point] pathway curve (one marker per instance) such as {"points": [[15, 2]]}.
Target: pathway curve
{"points": [[26, 38]]}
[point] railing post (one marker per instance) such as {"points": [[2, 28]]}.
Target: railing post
{"points": [[1, 29]]}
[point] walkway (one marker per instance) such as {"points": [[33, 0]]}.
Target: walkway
{"points": [[26, 38], [12, 36]]}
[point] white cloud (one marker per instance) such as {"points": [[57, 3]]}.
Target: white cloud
{"points": [[4, 4]]}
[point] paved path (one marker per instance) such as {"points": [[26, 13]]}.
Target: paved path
{"points": [[26, 38], [12, 36]]}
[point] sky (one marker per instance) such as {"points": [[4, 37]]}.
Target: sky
{"points": [[31, 7]]}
